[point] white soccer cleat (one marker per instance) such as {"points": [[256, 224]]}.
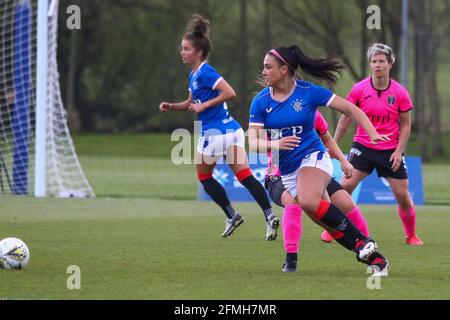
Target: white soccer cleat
{"points": [[379, 265], [232, 224], [364, 249], [272, 228]]}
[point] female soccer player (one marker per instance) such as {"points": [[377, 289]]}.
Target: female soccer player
{"points": [[338, 195], [287, 109], [221, 135], [387, 104]]}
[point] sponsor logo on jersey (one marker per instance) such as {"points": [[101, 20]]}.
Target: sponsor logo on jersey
{"points": [[276, 134], [269, 110]]}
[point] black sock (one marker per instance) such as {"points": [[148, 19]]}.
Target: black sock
{"points": [[219, 196], [335, 219], [291, 256], [259, 194], [347, 242]]}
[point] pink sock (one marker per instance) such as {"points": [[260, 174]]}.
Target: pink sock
{"points": [[356, 217], [408, 217], [292, 227]]}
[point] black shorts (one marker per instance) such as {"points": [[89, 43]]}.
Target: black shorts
{"points": [[275, 187], [334, 187], [366, 159]]}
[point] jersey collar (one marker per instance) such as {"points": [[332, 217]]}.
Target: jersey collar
{"points": [[377, 90], [285, 98], [199, 67]]}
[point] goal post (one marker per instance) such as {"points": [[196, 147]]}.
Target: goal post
{"points": [[41, 98]]}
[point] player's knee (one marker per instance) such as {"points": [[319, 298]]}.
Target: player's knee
{"points": [[308, 204], [403, 199], [348, 185], [287, 199], [344, 206], [343, 201]]}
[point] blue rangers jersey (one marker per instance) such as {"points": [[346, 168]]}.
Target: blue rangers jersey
{"points": [[202, 85], [294, 115]]}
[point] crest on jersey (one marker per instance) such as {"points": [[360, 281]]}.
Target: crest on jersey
{"points": [[391, 100], [297, 105]]}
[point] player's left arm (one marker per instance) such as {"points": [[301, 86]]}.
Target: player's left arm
{"points": [[226, 93], [405, 130], [337, 153]]}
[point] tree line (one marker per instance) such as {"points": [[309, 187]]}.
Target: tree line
{"points": [[125, 58]]}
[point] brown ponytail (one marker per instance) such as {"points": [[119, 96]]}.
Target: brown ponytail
{"points": [[198, 31]]}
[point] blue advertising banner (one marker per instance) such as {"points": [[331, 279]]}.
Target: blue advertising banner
{"points": [[375, 190], [371, 190]]}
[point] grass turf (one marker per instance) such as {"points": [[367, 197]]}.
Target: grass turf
{"points": [[160, 249], [140, 166]]}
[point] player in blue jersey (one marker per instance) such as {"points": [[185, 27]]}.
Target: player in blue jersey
{"points": [[286, 108], [221, 135]]}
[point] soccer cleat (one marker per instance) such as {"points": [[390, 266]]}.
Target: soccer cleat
{"points": [[379, 265], [414, 240], [232, 224], [272, 228], [364, 249], [325, 236], [290, 266]]}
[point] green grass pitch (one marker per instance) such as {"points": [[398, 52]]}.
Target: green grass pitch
{"points": [[166, 249]]}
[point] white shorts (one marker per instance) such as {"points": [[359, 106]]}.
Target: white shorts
{"points": [[216, 146], [324, 164]]}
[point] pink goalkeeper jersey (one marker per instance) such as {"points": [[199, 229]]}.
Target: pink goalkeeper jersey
{"points": [[321, 126], [383, 108]]}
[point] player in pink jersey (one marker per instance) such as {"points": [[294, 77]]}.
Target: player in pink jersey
{"points": [[338, 195], [387, 104]]}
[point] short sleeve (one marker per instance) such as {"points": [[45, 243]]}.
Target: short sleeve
{"points": [[257, 115], [354, 95], [405, 103], [322, 96], [210, 78], [320, 124]]}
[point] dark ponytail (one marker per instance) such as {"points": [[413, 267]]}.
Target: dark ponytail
{"points": [[198, 31], [326, 69]]}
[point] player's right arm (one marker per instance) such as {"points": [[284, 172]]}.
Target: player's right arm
{"points": [[257, 140], [257, 134], [180, 106]]}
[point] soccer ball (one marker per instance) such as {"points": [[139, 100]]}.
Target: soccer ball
{"points": [[14, 254]]}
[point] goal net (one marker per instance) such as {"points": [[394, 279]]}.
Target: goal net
{"points": [[37, 154]]}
